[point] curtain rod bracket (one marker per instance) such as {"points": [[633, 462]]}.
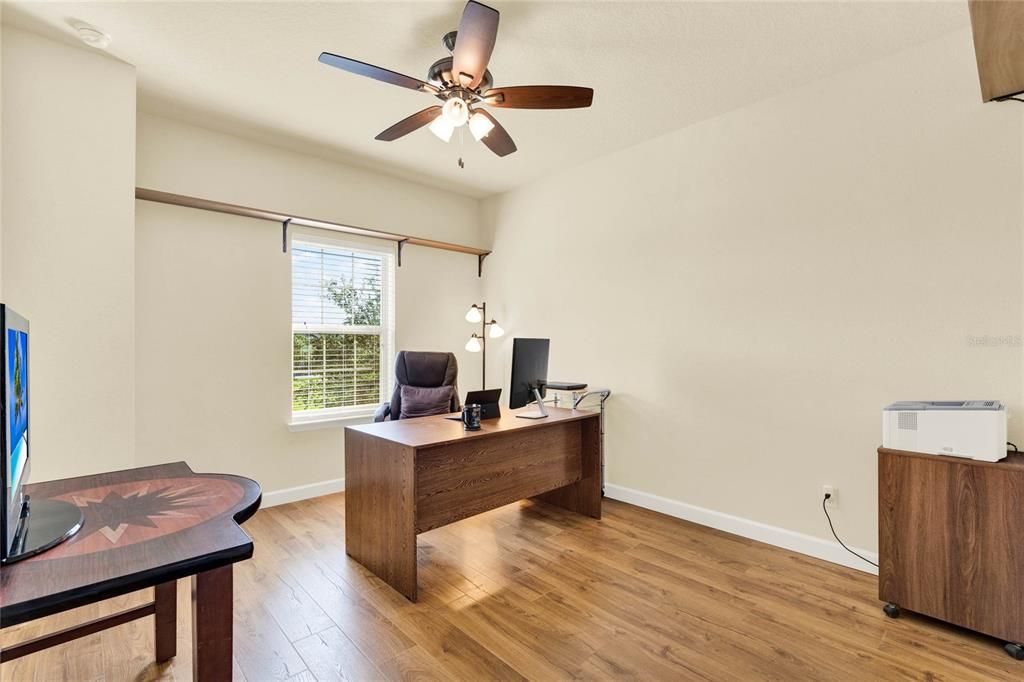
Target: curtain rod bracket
{"points": [[284, 234], [401, 243]]}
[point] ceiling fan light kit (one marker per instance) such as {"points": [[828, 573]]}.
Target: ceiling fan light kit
{"points": [[464, 85], [480, 125], [443, 128], [456, 111]]}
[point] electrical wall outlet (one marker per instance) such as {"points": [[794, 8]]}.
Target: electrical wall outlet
{"points": [[831, 491]]}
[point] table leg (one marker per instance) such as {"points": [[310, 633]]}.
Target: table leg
{"points": [[211, 625], [165, 598]]}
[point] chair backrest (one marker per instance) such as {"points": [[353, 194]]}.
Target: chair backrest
{"points": [[425, 369]]}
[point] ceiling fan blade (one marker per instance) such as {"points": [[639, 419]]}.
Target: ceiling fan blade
{"points": [[474, 43], [498, 139], [540, 97], [407, 125], [375, 72]]}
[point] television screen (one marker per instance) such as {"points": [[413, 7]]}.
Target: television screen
{"points": [[14, 422], [17, 377]]}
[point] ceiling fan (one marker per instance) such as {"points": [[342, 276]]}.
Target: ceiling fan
{"points": [[464, 85]]}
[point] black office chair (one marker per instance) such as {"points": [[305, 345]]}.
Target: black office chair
{"points": [[424, 369]]}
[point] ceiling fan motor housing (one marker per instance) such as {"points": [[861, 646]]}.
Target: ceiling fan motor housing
{"points": [[440, 75]]}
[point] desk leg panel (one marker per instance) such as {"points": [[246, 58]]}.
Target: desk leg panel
{"points": [[380, 509], [212, 620], [583, 496]]}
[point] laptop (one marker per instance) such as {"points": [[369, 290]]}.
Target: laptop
{"points": [[486, 399]]}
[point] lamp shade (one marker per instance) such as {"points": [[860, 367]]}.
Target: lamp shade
{"points": [[474, 315], [473, 345], [496, 330], [455, 111], [480, 125], [443, 128]]}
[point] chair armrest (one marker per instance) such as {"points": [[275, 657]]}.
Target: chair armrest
{"points": [[383, 412]]}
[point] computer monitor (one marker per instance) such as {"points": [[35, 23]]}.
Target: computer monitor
{"points": [[529, 375]]}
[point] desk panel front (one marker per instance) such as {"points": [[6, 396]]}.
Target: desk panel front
{"points": [[404, 478]]}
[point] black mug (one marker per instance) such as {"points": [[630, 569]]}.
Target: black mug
{"points": [[471, 417]]}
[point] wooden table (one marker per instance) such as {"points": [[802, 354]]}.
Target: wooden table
{"points": [[143, 528], [409, 476]]}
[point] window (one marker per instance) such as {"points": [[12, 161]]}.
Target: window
{"points": [[342, 326]]}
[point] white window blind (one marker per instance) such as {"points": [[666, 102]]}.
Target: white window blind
{"points": [[341, 327]]}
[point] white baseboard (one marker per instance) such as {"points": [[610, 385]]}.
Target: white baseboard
{"points": [[302, 492], [755, 530]]}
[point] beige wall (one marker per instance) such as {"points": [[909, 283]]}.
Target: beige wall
{"points": [[68, 138], [755, 288], [213, 314]]}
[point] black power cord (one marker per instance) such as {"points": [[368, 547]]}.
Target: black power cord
{"points": [[824, 508], [828, 496]]}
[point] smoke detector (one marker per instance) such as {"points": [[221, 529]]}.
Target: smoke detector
{"points": [[90, 35]]}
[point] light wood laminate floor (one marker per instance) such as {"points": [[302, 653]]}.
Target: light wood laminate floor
{"points": [[530, 591]]}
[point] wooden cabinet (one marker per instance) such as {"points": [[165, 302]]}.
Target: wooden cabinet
{"points": [[951, 540], [998, 27]]}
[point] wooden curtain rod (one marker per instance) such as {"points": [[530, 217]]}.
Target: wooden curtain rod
{"points": [[235, 209]]}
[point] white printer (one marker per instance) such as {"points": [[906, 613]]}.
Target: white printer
{"points": [[975, 429]]}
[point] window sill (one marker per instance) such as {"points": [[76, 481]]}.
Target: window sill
{"points": [[334, 421]]}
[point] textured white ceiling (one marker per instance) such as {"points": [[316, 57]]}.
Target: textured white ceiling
{"points": [[251, 68]]}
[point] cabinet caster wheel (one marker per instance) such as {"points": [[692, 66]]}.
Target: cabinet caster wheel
{"points": [[1015, 651], [893, 611]]}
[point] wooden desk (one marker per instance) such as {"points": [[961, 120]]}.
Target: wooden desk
{"points": [[407, 477], [143, 527]]}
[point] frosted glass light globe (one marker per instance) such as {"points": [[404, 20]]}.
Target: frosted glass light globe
{"points": [[455, 111], [442, 128], [480, 125]]}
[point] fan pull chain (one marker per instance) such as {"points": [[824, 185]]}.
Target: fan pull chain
{"points": [[462, 146]]}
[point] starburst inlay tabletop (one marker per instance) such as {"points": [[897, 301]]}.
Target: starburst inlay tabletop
{"points": [[142, 527]]}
